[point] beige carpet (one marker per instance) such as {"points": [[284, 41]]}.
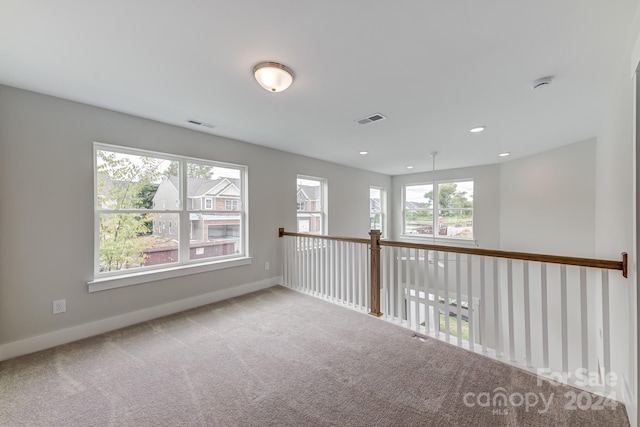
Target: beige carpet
{"points": [[275, 358]]}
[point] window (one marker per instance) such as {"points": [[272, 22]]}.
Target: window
{"points": [[231, 205], [378, 209], [450, 216], [149, 211], [311, 203]]}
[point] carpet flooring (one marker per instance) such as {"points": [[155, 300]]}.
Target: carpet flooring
{"points": [[279, 358]]}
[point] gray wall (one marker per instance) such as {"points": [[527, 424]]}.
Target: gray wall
{"points": [[615, 216], [547, 202], [46, 209]]}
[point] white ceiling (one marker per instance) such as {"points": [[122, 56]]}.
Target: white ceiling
{"points": [[435, 68]]}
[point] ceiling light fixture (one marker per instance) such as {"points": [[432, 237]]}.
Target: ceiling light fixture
{"points": [[409, 167], [273, 76], [364, 153], [504, 154], [477, 129]]}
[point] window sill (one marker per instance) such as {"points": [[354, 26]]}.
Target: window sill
{"points": [[112, 282]]}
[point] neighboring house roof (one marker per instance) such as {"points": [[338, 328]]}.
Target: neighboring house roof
{"points": [[416, 205], [197, 187], [308, 192]]}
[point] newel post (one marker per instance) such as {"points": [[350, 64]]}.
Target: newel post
{"points": [[375, 273]]}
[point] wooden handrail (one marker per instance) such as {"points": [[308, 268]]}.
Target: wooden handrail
{"points": [[524, 256], [282, 233], [375, 245]]}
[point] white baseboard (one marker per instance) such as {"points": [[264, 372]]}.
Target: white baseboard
{"points": [[63, 336]]}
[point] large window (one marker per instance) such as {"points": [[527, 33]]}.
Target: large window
{"points": [[311, 203], [450, 216], [378, 210], [160, 210]]}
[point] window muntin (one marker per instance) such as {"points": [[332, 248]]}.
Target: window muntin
{"points": [[451, 216], [378, 210], [139, 215], [311, 205]]}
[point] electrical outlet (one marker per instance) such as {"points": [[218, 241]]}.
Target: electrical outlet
{"points": [[266, 265], [59, 306]]}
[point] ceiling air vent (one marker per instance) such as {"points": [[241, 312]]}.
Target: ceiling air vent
{"points": [[197, 123], [371, 119]]}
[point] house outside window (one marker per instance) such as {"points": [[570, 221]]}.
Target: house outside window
{"points": [[378, 209], [311, 205], [149, 210], [450, 216]]}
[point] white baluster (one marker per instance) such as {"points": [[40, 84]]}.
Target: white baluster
{"points": [[563, 307], [416, 290], [447, 331], [470, 308], [483, 307], [583, 318], [496, 308], [545, 317], [427, 303], [458, 303], [512, 343], [606, 342], [527, 314]]}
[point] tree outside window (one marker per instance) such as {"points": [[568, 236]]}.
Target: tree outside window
{"points": [[140, 206], [451, 216]]}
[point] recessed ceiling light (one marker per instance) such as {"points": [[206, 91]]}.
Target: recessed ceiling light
{"points": [[364, 153], [477, 129], [409, 167], [504, 154]]}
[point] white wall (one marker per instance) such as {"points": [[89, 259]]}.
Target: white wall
{"points": [[46, 216], [614, 228], [547, 202]]}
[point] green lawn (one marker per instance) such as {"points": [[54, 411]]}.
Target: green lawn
{"points": [[453, 327]]}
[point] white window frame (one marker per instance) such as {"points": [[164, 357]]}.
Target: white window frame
{"points": [[382, 211], [323, 211], [436, 213], [208, 203], [235, 204], [185, 266]]}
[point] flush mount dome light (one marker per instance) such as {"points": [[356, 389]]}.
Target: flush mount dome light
{"points": [[477, 129], [273, 76]]}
